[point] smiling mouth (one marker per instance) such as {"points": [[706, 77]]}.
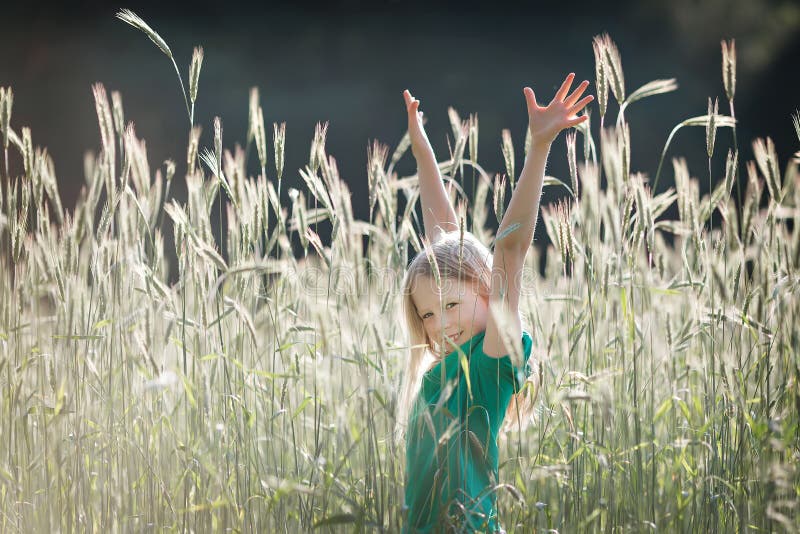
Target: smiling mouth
{"points": [[455, 337]]}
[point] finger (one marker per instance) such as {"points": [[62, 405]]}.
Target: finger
{"points": [[562, 92], [530, 98], [580, 105], [413, 109], [571, 99], [409, 99], [578, 120]]}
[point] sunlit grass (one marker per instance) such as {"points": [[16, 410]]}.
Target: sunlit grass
{"points": [[257, 392]]}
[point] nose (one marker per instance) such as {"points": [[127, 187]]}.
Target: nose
{"points": [[449, 325]]}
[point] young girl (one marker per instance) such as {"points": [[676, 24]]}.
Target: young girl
{"points": [[459, 381]]}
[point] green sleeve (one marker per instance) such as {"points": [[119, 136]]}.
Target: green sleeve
{"points": [[493, 381]]}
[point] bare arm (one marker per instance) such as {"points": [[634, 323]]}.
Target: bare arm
{"points": [[545, 123], [519, 220], [438, 215]]}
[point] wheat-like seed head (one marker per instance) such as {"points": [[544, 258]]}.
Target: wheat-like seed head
{"points": [[729, 68], [279, 142], [568, 232], [457, 152], [19, 223], [317, 188], [252, 111], [499, 196], [613, 62], [316, 155], [194, 72], [681, 172], [627, 211], [170, 169], [551, 226], [299, 215], [600, 69], [752, 198], [552, 217], [48, 173], [191, 151], [117, 112], [213, 164], [572, 161], [402, 148], [261, 137], [6, 102], [767, 160], [624, 134], [106, 121], [606, 276], [644, 215], [376, 177], [27, 152], [711, 126], [218, 145], [455, 121], [563, 234], [731, 164], [507, 148], [473, 137], [586, 130], [136, 155], [479, 212], [128, 16]]}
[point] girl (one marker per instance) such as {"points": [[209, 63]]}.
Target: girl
{"points": [[460, 379]]}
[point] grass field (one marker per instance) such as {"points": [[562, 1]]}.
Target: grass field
{"points": [[253, 387]]}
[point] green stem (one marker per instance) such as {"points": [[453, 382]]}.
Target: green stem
{"points": [[183, 92]]}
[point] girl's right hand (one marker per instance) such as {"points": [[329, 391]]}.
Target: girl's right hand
{"points": [[420, 145], [545, 122]]}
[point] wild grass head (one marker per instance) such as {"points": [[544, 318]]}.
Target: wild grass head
{"points": [[251, 388]]}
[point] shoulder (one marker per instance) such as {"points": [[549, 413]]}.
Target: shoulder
{"points": [[507, 369], [517, 357]]}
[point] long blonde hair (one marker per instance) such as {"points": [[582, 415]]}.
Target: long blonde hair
{"points": [[452, 256]]}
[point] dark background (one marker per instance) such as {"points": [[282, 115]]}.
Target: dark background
{"points": [[347, 62]]}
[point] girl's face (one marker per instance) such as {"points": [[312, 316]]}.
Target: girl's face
{"points": [[457, 310]]}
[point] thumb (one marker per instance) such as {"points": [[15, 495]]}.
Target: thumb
{"points": [[530, 98], [407, 97]]}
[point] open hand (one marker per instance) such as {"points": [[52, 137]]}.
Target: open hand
{"points": [[546, 122], [419, 140]]}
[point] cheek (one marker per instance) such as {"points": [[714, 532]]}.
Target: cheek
{"points": [[430, 329], [482, 311]]}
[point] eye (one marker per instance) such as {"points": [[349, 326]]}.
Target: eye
{"points": [[451, 304], [426, 315]]}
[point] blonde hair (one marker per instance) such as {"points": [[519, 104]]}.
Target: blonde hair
{"points": [[452, 256]]}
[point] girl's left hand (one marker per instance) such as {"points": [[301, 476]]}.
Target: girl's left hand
{"points": [[546, 122]]}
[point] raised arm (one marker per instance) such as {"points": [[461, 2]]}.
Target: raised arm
{"points": [[515, 232], [438, 215], [545, 123]]}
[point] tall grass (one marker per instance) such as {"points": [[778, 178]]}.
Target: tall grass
{"points": [[257, 392]]}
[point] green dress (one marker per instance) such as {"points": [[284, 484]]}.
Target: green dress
{"points": [[449, 486]]}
